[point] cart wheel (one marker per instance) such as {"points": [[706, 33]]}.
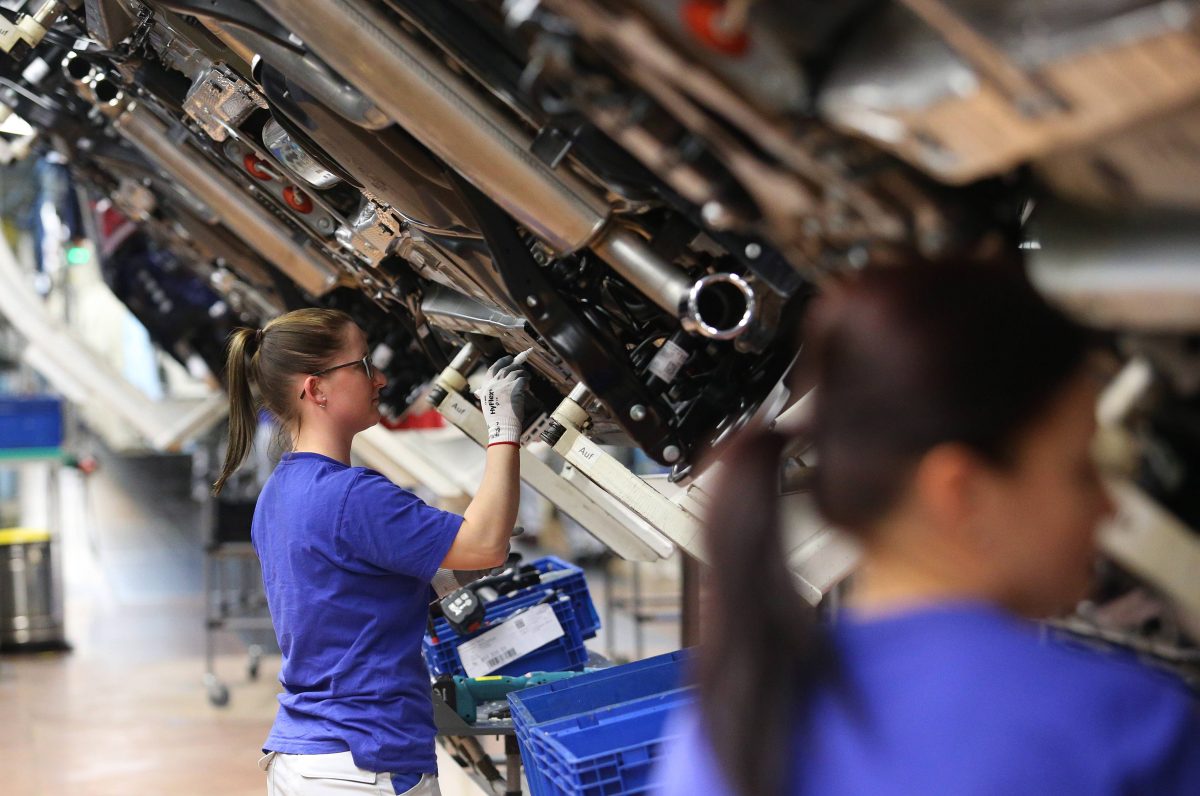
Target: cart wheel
{"points": [[218, 694], [256, 654]]}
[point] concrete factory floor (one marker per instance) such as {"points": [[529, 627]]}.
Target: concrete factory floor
{"points": [[126, 713]]}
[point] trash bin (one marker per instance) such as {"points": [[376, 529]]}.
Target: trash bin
{"points": [[30, 602]]}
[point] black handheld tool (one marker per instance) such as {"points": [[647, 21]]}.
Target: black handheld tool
{"points": [[464, 609]]}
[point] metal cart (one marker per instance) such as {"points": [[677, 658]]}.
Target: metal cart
{"points": [[235, 601]]}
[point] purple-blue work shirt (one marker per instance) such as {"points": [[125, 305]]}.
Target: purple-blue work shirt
{"points": [[964, 700], [347, 558]]}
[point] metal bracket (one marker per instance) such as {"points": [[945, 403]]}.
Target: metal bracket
{"points": [[626, 536]]}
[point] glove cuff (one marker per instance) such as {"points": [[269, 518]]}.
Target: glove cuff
{"points": [[504, 431]]}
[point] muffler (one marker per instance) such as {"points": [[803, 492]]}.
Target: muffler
{"points": [[451, 118]]}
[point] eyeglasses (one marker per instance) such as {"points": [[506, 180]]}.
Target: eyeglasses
{"points": [[368, 368]]}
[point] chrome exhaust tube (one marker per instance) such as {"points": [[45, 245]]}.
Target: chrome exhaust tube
{"points": [[308, 73], [449, 116], [78, 70], [105, 93], [243, 216], [719, 306]]}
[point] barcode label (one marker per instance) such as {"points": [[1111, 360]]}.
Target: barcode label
{"points": [[496, 661], [510, 640]]}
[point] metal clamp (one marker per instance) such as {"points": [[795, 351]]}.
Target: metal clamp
{"points": [[669, 518], [627, 536], [29, 29]]}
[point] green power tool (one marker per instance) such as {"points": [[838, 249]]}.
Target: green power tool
{"points": [[464, 694]]}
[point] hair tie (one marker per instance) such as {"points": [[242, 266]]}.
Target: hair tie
{"points": [[258, 337]]}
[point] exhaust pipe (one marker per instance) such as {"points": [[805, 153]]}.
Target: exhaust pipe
{"points": [[243, 216], [449, 116], [308, 73], [105, 93], [78, 70], [91, 82], [719, 306]]}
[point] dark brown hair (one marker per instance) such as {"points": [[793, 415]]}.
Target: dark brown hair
{"points": [[903, 359], [302, 341]]}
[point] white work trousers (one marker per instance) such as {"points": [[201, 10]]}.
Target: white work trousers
{"points": [[332, 775]]}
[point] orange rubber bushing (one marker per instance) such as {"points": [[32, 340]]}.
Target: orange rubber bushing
{"points": [[701, 16], [254, 165], [297, 199]]}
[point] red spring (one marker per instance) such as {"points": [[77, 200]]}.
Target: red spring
{"points": [[254, 165], [297, 199], [701, 17]]}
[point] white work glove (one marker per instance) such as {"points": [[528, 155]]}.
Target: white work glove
{"points": [[502, 399]]}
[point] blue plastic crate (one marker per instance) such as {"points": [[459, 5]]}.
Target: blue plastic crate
{"points": [[610, 752], [574, 585], [599, 689], [587, 694], [30, 422], [566, 653]]}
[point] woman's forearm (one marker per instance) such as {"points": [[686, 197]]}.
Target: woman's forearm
{"points": [[488, 522]]}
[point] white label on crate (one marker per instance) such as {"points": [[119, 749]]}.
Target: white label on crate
{"points": [[516, 636]]}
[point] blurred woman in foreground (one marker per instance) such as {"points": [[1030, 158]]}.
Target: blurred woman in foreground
{"points": [[952, 424]]}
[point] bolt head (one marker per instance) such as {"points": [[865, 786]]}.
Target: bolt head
{"points": [[637, 413], [753, 251], [531, 302], [858, 257], [671, 453], [716, 215]]}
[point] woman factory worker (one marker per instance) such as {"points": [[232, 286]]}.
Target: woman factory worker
{"points": [[347, 556], [952, 421]]}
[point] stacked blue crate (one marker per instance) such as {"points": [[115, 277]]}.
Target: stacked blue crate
{"points": [[611, 752], [601, 732], [30, 422]]}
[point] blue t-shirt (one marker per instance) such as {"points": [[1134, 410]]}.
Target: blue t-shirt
{"points": [[966, 700], [347, 558]]}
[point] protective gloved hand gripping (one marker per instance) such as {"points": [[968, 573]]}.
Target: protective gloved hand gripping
{"points": [[502, 399]]}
